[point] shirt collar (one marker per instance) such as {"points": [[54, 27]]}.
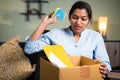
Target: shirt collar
{"points": [[71, 33]]}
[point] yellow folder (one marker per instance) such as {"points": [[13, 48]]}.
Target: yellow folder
{"points": [[57, 55]]}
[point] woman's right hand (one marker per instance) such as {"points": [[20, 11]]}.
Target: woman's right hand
{"points": [[42, 26], [49, 20]]}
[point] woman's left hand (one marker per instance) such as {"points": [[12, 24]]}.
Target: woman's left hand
{"points": [[103, 69]]}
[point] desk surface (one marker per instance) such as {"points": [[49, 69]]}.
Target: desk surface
{"points": [[114, 75]]}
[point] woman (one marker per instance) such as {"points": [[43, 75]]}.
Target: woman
{"points": [[76, 39]]}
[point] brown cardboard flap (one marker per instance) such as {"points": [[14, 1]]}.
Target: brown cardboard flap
{"points": [[87, 61], [48, 71], [75, 60], [81, 60]]}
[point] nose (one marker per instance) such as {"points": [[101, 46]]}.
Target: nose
{"points": [[79, 20]]}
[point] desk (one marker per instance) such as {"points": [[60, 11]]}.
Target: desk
{"points": [[114, 75]]}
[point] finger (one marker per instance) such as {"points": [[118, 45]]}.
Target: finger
{"points": [[103, 67], [103, 64], [104, 71], [50, 15], [97, 60], [103, 76], [55, 18]]}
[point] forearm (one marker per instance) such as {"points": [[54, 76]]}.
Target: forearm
{"points": [[40, 29], [38, 32]]}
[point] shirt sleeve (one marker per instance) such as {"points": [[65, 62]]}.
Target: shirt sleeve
{"points": [[33, 46], [100, 51], [48, 38]]}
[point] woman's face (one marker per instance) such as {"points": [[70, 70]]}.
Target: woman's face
{"points": [[79, 20]]}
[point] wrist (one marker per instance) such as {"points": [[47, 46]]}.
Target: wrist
{"points": [[43, 24]]}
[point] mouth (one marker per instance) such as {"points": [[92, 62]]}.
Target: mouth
{"points": [[78, 27]]}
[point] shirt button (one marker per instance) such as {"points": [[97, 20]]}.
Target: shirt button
{"points": [[75, 45]]}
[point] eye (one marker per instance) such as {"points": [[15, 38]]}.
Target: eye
{"points": [[84, 18], [74, 17]]}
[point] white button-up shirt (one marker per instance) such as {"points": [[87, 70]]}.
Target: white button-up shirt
{"points": [[90, 44]]}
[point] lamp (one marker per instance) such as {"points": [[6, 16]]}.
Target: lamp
{"points": [[102, 23]]}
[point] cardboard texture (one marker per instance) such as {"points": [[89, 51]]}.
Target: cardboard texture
{"points": [[83, 69]]}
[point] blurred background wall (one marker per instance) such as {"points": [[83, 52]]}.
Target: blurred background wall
{"points": [[12, 23]]}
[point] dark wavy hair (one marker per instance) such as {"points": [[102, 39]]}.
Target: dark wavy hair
{"points": [[82, 5]]}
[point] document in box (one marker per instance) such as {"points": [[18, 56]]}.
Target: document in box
{"points": [[55, 60], [57, 55]]}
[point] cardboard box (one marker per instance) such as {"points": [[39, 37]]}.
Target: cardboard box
{"points": [[84, 69]]}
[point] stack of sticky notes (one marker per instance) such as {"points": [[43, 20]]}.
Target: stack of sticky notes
{"points": [[60, 13], [57, 55]]}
